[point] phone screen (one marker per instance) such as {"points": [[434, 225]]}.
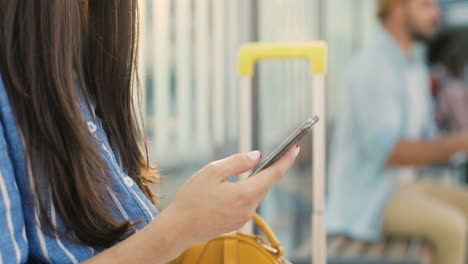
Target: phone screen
{"points": [[297, 135]]}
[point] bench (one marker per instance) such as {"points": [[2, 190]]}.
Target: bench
{"points": [[392, 250]]}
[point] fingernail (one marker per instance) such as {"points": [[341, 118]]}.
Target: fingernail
{"points": [[297, 150], [254, 155]]}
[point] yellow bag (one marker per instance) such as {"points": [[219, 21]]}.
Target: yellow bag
{"points": [[237, 248]]}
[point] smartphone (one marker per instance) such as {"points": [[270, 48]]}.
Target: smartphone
{"points": [[297, 135]]}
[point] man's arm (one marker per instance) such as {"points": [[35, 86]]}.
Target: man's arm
{"points": [[419, 153]]}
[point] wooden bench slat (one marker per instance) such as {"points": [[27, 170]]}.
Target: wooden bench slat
{"points": [[336, 242], [414, 248], [420, 249], [397, 249], [376, 250], [389, 250], [425, 254], [353, 248]]}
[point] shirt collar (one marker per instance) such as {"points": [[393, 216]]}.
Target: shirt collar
{"points": [[91, 109], [389, 45]]}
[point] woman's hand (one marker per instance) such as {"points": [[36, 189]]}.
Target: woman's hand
{"points": [[209, 205], [206, 207]]}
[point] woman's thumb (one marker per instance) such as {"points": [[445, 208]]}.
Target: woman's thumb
{"points": [[236, 164]]}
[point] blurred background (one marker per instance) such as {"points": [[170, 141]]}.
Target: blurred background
{"points": [[191, 87]]}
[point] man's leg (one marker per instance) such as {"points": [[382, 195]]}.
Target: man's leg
{"points": [[410, 212], [457, 196]]}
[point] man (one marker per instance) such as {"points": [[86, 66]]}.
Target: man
{"points": [[385, 132]]}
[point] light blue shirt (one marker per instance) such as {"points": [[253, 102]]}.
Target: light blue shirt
{"points": [[21, 239], [373, 115]]}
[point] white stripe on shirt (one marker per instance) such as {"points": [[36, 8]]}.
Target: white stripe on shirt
{"points": [[40, 235], [59, 241], [23, 233], [91, 250], [6, 199], [119, 205], [144, 205]]}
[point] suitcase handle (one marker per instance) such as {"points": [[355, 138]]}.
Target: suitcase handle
{"points": [[315, 51]]}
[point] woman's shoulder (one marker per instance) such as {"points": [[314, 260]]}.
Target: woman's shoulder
{"points": [[4, 107], [10, 134], [6, 116], [4, 102]]}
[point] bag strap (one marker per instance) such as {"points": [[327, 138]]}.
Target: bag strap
{"points": [[231, 251], [272, 239]]}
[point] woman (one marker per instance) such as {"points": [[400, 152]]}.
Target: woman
{"points": [[74, 172]]}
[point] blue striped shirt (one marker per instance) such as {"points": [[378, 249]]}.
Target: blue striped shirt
{"points": [[21, 238]]}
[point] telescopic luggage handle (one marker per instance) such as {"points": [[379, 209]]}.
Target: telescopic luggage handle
{"points": [[316, 53]]}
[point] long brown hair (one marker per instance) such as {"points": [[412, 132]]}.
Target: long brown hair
{"points": [[46, 48]]}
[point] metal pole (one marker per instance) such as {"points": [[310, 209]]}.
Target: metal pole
{"points": [[319, 239], [245, 133], [183, 62], [161, 30], [142, 63], [233, 43], [218, 9], [202, 84]]}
